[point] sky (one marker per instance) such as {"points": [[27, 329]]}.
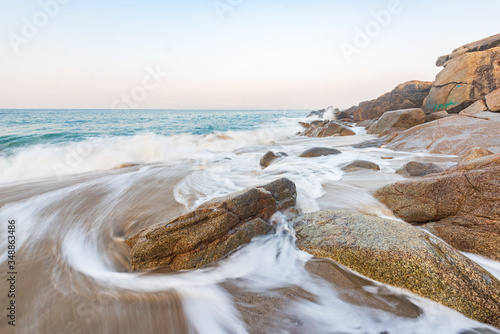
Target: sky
{"points": [[226, 54]]}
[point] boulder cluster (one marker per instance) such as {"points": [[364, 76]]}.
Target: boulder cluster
{"points": [[441, 212]]}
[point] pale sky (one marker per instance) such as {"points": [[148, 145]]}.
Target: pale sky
{"points": [[225, 54]]}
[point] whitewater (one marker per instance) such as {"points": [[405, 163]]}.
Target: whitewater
{"points": [[79, 182]]}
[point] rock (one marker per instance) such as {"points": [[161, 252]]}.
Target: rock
{"points": [[390, 133], [481, 45], [476, 107], [407, 95], [360, 164], [305, 125], [467, 77], [211, 231], [452, 135], [436, 115], [460, 199], [318, 152], [404, 256], [327, 113], [493, 100], [453, 193], [367, 123], [405, 119], [268, 158], [327, 129], [478, 163], [370, 143], [416, 168], [476, 152]]}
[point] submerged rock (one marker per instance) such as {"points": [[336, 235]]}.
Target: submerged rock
{"points": [[370, 143], [407, 95], [268, 158], [360, 164], [404, 119], [318, 152], [404, 256], [211, 231], [416, 168]]}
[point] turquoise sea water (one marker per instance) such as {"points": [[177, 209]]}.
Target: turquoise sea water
{"points": [[22, 128]]}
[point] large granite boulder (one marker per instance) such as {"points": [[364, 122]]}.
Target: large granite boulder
{"points": [[493, 100], [405, 119], [463, 204], [404, 256], [211, 231], [407, 95], [452, 135], [470, 73]]}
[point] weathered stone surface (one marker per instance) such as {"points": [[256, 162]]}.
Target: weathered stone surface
{"points": [[493, 100], [360, 164], [436, 115], [416, 168], [318, 152], [401, 255], [407, 95], [457, 201], [470, 234], [405, 119], [435, 197], [475, 153], [477, 107], [370, 143], [211, 231], [452, 135], [478, 163], [465, 79], [481, 45]]}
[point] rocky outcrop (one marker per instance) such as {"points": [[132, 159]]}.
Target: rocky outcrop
{"points": [[452, 135], [360, 164], [404, 256], [404, 119], [416, 168], [323, 129], [463, 204], [327, 113], [318, 152], [211, 231], [470, 73], [481, 45], [407, 95]]}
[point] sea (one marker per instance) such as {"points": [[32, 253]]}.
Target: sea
{"points": [[74, 184]]}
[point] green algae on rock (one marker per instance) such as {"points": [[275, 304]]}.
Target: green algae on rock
{"points": [[404, 256]]}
